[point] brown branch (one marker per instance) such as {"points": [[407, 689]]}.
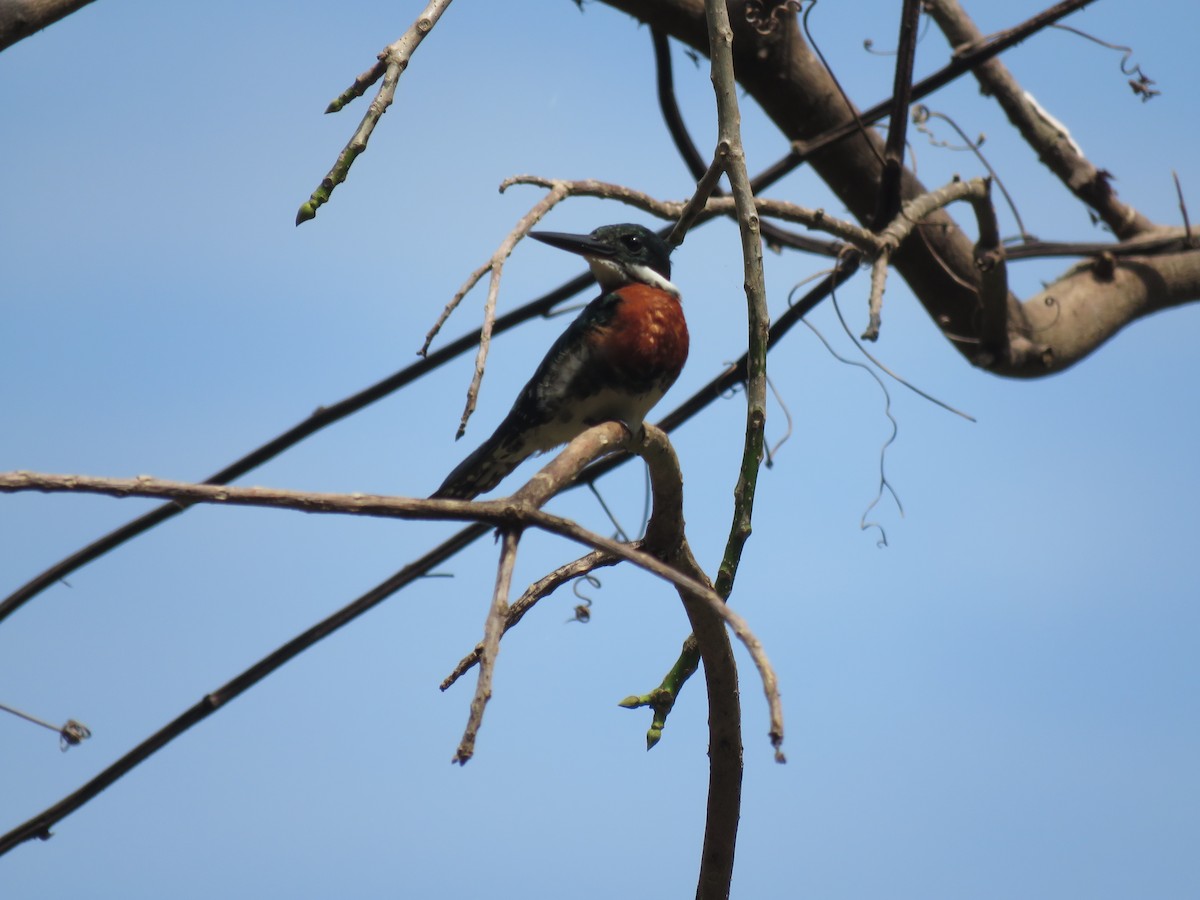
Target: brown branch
{"points": [[21, 18], [993, 277], [716, 206], [392, 61], [665, 537], [899, 229], [729, 148], [39, 826], [783, 75], [321, 418], [516, 512], [691, 210], [496, 266], [1046, 136], [519, 511], [893, 153], [665, 83], [492, 630], [963, 61], [539, 590]]}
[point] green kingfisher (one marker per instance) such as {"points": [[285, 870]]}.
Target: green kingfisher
{"points": [[613, 363]]}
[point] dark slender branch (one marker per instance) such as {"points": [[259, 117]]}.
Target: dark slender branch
{"points": [[1045, 135], [321, 418], [492, 631], [39, 826], [993, 281], [665, 83], [393, 60], [1175, 242], [965, 59], [893, 152], [536, 592], [21, 18], [774, 235]]}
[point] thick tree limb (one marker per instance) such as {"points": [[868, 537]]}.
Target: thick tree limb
{"points": [[781, 73], [21, 18], [1053, 146]]}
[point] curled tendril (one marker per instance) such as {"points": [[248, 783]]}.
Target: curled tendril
{"points": [[582, 611], [1140, 83]]}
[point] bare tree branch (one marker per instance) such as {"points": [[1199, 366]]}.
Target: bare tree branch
{"points": [[893, 153], [510, 513], [493, 628], [1045, 135], [392, 63], [496, 266], [782, 74], [539, 590], [21, 18], [39, 826]]}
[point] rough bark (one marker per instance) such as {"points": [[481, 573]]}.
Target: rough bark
{"points": [[21, 18], [1091, 302]]}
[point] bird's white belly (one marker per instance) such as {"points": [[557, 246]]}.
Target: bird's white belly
{"points": [[603, 406]]}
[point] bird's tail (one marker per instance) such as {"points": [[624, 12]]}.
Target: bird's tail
{"points": [[483, 469]]}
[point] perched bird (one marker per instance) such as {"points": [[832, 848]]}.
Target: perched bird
{"points": [[613, 363]]}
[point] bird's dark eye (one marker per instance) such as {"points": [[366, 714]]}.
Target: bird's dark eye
{"points": [[632, 242]]}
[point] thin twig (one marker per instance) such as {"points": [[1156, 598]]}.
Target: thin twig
{"points": [[492, 630], [539, 590], [497, 513], [879, 273], [496, 265], [888, 203], [1187, 224], [393, 60], [39, 826], [1043, 133], [69, 733], [966, 58], [321, 418], [884, 484], [520, 510], [328, 415], [923, 113], [879, 365], [696, 165], [696, 204], [731, 152], [717, 206]]}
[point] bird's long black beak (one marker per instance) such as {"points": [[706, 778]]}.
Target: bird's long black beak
{"points": [[583, 244]]}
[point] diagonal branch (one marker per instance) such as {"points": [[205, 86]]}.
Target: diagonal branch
{"points": [[21, 18], [537, 591], [496, 266], [392, 63], [39, 826], [493, 628], [729, 149], [1043, 133], [893, 154], [512, 513]]}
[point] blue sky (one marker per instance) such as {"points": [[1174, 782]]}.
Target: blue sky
{"points": [[1000, 703]]}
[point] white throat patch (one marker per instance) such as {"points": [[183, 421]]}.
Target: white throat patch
{"points": [[611, 276]]}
